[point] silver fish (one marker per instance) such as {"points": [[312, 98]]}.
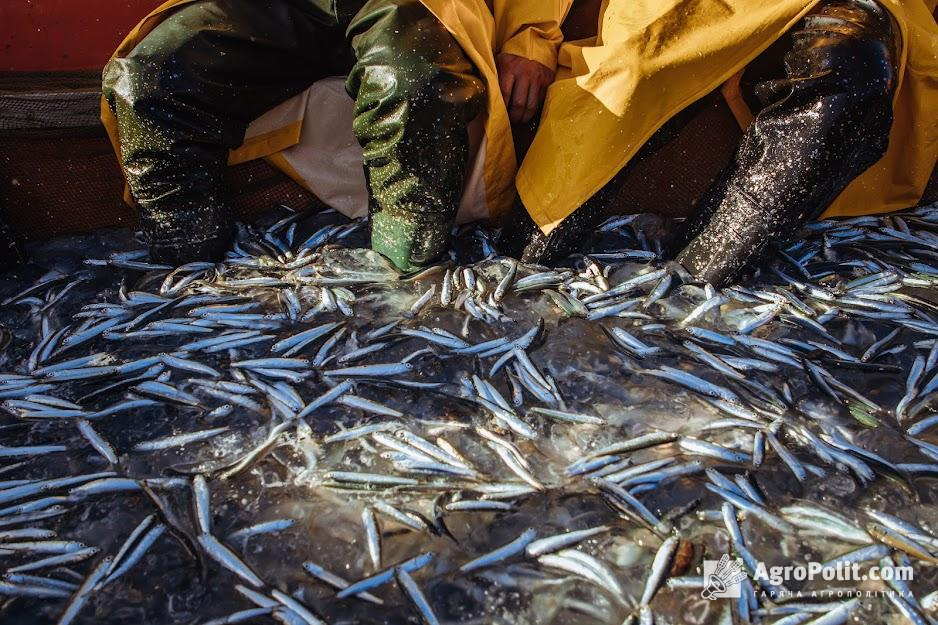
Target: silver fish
{"points": [[228, 559], [416, 596], [179, 440], [379, 579], [561, 541], [659, 569]]}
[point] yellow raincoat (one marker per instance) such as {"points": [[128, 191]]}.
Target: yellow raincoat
{"points": [[653, 58], [483, 28]]}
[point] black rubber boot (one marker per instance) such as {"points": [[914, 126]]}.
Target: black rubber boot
{"points": [[180, 251], [523, 239], [825, 124]]}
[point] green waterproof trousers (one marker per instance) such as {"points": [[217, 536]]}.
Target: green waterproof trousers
{"points": [[186, 94]]}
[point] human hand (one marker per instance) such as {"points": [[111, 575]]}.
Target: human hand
{"points": [[524, 85]]}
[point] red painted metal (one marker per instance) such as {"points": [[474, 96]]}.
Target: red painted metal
{"points": [[58, 35]]}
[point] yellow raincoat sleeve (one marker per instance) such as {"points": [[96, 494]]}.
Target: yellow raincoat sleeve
{"points": [[530, 28]]}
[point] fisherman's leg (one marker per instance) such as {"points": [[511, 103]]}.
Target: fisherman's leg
{"points": [[415, 93], [522, 238], [828, 121], [185, 96]]}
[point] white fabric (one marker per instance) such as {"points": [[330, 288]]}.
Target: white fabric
{"points": [[328, 159]]}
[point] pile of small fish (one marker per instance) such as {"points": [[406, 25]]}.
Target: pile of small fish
{"points": [[299, 434]]}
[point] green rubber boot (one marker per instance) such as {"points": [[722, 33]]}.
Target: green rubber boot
{"points": [[415, 93], [410, 240]]}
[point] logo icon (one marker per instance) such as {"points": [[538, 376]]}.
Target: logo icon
{"points": [[724, 578]]}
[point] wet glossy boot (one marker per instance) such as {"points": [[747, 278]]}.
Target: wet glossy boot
{"points": [[415, 94], [825, 124], [184, 96], [522, 238]]}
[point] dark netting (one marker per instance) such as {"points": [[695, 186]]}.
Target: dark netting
{"points": [[61, 182], [39, 111], [675, 175], [68, 182], [671, 178]]}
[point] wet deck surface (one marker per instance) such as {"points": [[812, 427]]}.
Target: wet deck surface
{"points": [[778, 409]]}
